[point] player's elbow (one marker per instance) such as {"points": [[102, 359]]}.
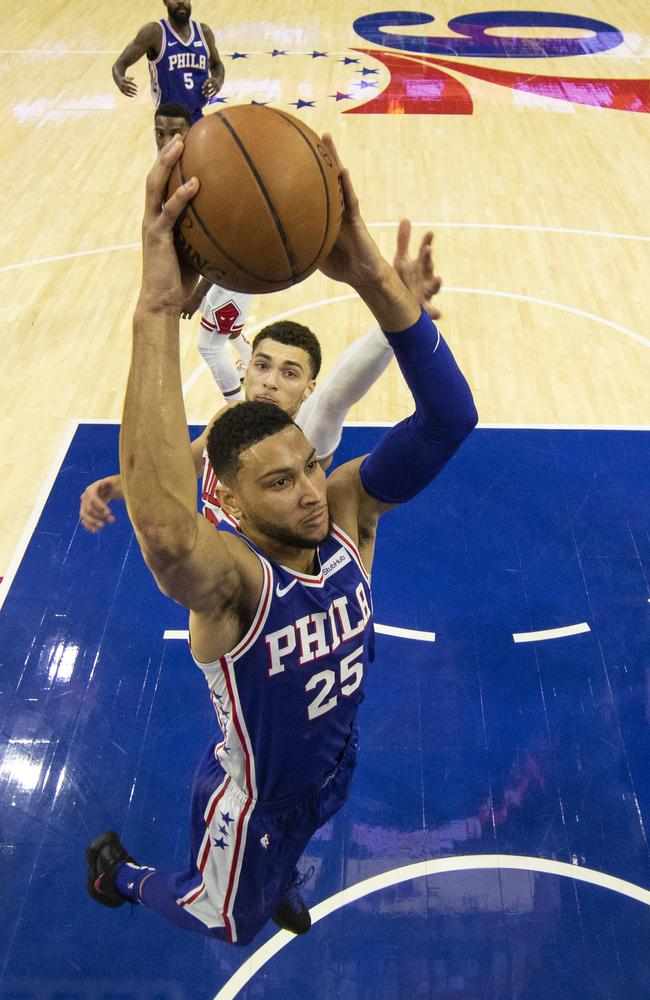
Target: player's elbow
{"points": [[465, 421], [453, 426], [165, 543]]}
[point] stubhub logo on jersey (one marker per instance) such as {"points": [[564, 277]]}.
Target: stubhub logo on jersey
{"points": [[421, 84], [334, 563]]}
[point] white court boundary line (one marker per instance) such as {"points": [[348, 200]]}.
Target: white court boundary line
{"points": [[395, 630], [515, 296], [70, 256], [602, 234], [551, 633], [66, 439], [37, 510], [439, 866], [553, 305]]}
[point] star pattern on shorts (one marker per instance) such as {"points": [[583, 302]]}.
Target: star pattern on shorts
{"points": [[219, 843], [223, 830], [227, 818]]}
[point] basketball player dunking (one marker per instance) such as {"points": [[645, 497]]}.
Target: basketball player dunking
{"points": [[286, 364], [280, 612], [184, 64]]}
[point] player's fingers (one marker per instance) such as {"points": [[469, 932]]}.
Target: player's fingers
{"points": [[328, 142], [403, 239], [158, 177], [181, 196], [350, 199], [425, 262], [427, 240], [433, 312], [99, 509]]}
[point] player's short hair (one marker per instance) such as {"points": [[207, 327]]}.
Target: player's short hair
{"points": [[293, 335], [170, 110], [237, 429]]}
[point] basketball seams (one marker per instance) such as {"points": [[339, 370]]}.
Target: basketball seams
{"points": [[265, 194], [204, 249], [191, 210], [302, 135]]}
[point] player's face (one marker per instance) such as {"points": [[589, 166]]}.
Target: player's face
{"points": [[166, 128], [280, 374], [179, 10], [282, 492]]}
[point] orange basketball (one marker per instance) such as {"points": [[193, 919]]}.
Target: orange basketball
{"points": [[270, 203]]}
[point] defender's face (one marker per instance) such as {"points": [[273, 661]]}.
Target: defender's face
{"points": [[179, 10], [280, 374], [166, 128], [281, 491]]}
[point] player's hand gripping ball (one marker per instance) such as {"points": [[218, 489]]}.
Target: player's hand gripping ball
{"points": [[269, 207]]}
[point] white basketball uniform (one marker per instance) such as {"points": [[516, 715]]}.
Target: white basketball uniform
{"points": [[223, 315], [321, 415]]}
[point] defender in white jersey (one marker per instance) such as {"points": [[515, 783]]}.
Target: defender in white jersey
{"points": [[280, 611], [284, 370]]}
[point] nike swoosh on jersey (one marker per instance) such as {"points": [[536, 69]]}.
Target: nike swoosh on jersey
{"points": [[169, 44], [281, 591]]}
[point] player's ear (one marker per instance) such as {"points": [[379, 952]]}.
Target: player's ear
{"points": [[309, 388], [229, 500]]}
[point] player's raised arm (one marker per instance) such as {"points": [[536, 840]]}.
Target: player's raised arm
{"points": [[191, 562], [415, 450], [147, 40]]}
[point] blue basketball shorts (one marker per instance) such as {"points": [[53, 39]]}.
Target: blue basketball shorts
{"points": [[243, 852]]}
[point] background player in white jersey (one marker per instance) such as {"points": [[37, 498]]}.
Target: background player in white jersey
{"points": [[184, 64], [284, 368], [280, 613]]}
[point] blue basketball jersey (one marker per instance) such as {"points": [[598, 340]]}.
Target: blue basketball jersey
{"points": [[287, 695], [181, 69]]}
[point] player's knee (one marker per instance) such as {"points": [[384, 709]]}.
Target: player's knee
{"points": [[211, 345]]}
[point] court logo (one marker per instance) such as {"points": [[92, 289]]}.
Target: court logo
{"points": [[422, 68]]}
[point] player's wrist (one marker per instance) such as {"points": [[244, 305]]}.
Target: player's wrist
{"points": [[152, 303], [390, 301], [372, 278]]}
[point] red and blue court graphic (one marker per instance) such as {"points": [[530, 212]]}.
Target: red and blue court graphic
{"points": [[495, 843], [420, 81]]}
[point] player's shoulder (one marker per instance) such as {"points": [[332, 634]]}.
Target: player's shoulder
{"points": [[343, 488], [207, 31], [150, 34]]}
